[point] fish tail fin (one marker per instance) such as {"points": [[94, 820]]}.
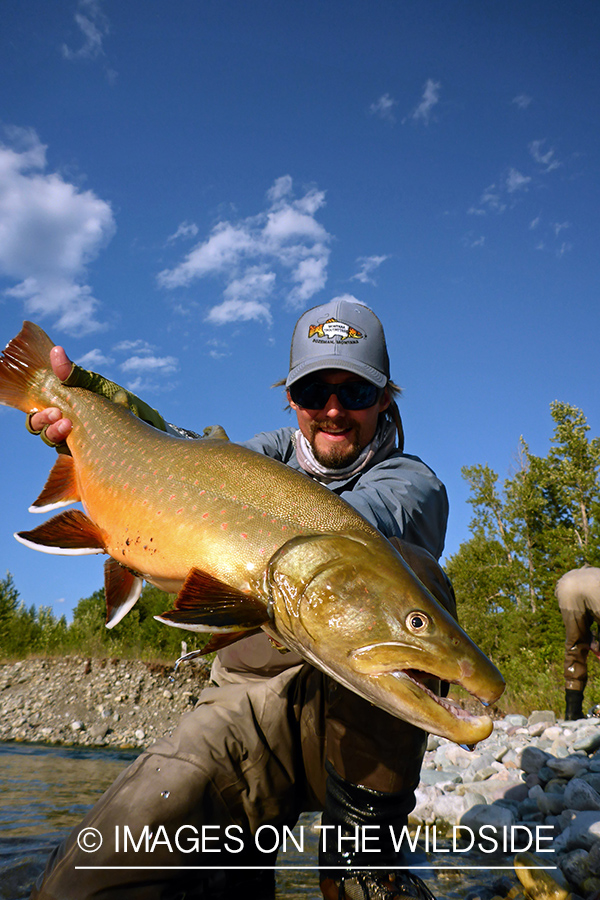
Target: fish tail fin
{"points": [[21, 362]]}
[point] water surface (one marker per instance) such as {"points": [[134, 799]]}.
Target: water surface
{"points": [[46, 791]]}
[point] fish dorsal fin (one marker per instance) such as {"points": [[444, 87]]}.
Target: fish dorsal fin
{"points": [[60, 488], [205, 603], [217, 432], [70, 533], [122, 588]]}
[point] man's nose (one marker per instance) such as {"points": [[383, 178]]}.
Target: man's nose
{"points": [[333, 407]]}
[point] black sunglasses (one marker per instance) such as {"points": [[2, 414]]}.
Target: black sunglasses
{"points": [[353, 395]]}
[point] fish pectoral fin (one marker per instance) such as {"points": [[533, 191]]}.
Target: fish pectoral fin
{"points": [[60, 488], [122, 588], [70, 533], [219, 641], [205, 603]]}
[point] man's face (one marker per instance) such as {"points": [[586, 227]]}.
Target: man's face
{"points": [[338, 435]]}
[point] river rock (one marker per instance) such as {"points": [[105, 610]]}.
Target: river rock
{"points": [[581, 795]]}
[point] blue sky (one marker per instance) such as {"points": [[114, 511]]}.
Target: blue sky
{"points": [[179, 182]]}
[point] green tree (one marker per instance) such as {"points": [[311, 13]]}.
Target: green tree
{"points": [[525, 534]]}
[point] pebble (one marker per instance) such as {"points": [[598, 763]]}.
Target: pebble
{"points": [[533, 772], [546, 779], [37, 704]]}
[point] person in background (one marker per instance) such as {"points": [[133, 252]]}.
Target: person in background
{"points": [[578, 595], [273, 736]]}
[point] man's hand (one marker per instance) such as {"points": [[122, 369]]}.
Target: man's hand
{"points": [[59, 428]]}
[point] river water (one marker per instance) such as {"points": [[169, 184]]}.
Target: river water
{"points": [[45, 791]]}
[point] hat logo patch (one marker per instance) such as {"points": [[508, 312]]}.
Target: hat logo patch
{"points": [[333, 330]]}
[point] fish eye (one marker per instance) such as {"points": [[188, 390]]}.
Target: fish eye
{"points": [[417, 622]]}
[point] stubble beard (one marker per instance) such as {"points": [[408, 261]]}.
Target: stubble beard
{"points": [[335, 457]]}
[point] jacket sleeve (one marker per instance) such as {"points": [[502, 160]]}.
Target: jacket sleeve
{"points": [[276, 444], [403, 498]]}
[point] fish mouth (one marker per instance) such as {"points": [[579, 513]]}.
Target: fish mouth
{"points": [[411, 695]]}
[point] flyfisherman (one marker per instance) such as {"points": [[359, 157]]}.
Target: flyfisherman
{"points": [[578, 595], [274, 736]]}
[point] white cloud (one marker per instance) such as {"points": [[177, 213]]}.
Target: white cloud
{"points": [[430, 98], [281, 251], [138, 345], [143, 364], [368, 264], [546, 160], [94, 360], [94, 27], [383, 108], [516, 182], [49, 232], [557, 227], [522, 101], [239, 311], [185, 230], [490, 201]]}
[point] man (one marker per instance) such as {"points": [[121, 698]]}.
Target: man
{"points": [[274, 736], [578, 595]]}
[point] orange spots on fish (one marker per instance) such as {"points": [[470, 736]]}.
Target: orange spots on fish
{"points": [[180, 510], [172, 497], [205, 516], [160, 490], [224, 526], [244, 535]]}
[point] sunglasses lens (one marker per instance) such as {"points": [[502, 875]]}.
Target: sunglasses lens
{"points": [[357, 394], [353, 395], [310, 394]]}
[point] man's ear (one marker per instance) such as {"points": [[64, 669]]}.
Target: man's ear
{"points": [[385, 400], [290, 401]]}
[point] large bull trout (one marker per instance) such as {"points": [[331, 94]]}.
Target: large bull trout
{"points": [[247, 543]]}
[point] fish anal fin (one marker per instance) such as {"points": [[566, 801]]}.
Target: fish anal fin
{"points": [[122, 588], [205, 603], [60, 488], [70, 533]]}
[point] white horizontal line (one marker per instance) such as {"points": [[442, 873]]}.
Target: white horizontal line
{"points": [[306, 868]]}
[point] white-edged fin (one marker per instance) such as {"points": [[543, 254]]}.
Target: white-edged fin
{"points": [[206, 629], [206, 604], [57, 551], [60, 488], [50, 507], [70, 534], [122, 589]]}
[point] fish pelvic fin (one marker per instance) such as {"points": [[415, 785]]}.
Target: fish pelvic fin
{"points": [[70, 533], [60, 488], [205, 603], [122, 589], [20, 363]]}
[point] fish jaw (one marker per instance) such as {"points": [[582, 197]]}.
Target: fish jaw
{"points": [[352, 607], [406, 677]]}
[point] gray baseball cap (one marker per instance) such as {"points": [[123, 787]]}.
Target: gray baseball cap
{"points": [[342, 334]]}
